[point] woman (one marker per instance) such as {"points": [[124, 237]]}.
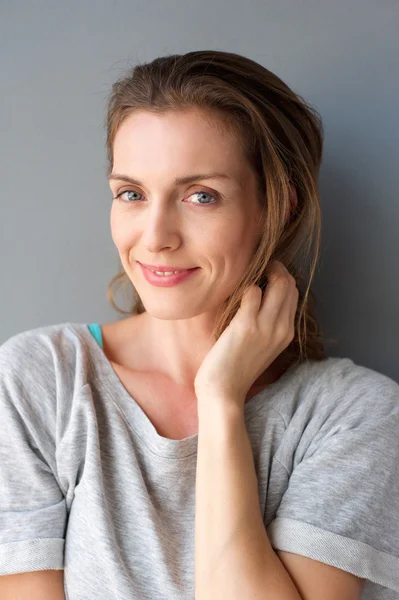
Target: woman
{"points": [[205, 445]]}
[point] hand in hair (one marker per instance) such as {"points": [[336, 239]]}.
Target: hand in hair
{"points": [[261, 329]]}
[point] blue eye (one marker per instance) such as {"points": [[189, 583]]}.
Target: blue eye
{"points": [[126, 192], [204, 194], [200, 193]]}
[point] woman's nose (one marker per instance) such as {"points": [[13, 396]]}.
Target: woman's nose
{"points": [[160, 228]]}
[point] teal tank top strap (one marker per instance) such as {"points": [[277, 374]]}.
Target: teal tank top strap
{"points": [[95, 330]]}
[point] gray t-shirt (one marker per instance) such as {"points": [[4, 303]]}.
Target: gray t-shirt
{"points": [[88, 485]]}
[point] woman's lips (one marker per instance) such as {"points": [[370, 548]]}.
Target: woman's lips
{"points": [[167, 280]]}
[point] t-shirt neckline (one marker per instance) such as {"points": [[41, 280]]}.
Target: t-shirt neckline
{"points": [[135, 416]]}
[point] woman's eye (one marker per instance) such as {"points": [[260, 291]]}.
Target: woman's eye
{"points": [[200, 195], [126, 192]]}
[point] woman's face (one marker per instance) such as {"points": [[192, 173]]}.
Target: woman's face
{"points": [[210, 223]]}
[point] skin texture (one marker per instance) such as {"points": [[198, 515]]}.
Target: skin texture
{"points": [[35, 585], [167, 224]]}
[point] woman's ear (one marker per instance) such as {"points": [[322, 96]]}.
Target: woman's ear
{"points": [[294, 203]]}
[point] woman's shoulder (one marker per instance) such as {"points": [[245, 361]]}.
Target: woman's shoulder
{"points": [[26, 342], [43, 353], [34, 372], [343, 373], [340, 386]]}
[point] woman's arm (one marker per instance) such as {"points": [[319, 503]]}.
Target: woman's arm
{"points": [[233, 555], [33, 585]]}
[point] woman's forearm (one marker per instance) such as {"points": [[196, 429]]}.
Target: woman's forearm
{"points": [[233, 555]]}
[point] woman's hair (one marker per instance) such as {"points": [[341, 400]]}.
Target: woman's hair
{"points": [[280, 135]]}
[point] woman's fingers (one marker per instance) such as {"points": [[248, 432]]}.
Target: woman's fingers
{"points": [[280, 302]]}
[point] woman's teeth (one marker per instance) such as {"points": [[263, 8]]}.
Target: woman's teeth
{"points": [[163, 274]]}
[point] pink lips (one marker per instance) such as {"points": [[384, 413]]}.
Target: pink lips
{"points": [[167, 280]]}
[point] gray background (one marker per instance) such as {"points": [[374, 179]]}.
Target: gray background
{"points": [[57, 63]]}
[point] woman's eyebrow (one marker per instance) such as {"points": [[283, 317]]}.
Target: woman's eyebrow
{"points": [[177, 181]]}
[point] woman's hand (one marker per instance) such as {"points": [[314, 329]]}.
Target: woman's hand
{"points": [[259, 332]]}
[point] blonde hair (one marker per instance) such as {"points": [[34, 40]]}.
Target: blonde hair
{"points": [[281, 135]]}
